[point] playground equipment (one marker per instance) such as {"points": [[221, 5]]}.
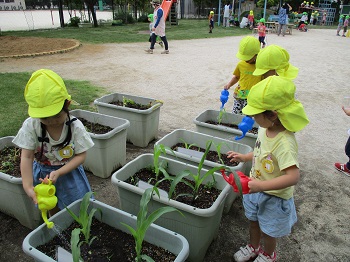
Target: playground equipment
{"points": [[45, 194], [245, 125]]}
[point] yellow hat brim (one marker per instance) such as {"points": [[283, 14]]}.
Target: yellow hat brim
{"points": [[47, 111]]}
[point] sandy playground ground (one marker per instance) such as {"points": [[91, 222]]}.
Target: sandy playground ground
{"points": [[189, 81]]}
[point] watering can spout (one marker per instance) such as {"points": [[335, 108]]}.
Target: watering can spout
{"points": [[45, 194], [245, 125]]}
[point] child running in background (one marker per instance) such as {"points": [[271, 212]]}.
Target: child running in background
{"points": [[346, 23], [269, 206], [249, 48], [211, 21], [251, 19], [262, 32], [345, 168], [53, 143], [340, 24], [150, 20], [274, 60]]}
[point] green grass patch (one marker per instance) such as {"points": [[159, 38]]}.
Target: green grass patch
{"points": [[138, 32], [14, 109]]}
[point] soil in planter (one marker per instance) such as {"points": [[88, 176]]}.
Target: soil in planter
{"points": [[253, 131], [95, 128], [207, 194], [10, 159], [110, 245], [132, 105], [212, 156]]}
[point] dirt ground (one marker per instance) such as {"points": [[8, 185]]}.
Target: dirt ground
{"points": [[189, 80]]}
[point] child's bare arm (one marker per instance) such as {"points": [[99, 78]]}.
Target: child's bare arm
{"points": [[290, 178], [233, 81], [235, 156], [346, 110]]}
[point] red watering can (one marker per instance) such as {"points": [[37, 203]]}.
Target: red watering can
{"points": [[231, 180]]}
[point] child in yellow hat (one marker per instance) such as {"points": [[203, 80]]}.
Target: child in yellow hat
{"points": [[53, 143], [274, 60], [211, 21], [249, 48], [269, 206]]}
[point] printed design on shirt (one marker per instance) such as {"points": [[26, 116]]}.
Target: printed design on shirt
{"points": [[53, 155], [257, 173], [257, 151], [267, 164], [242, 93], [66, 152]]}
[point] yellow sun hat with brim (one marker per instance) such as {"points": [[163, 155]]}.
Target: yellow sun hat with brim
{"points": [[212, 12], [274, 57], [45, 94], [248, 47], [277, 93]]}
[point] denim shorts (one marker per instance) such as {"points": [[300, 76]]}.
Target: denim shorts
{"points": [[275, 215], [69, 187]]}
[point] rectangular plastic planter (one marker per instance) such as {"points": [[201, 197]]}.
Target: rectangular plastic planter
{"points": [[200, 140], [223, 131], [109, 151], [198, 226], [143, 123], [155, 235], [14, 201]]}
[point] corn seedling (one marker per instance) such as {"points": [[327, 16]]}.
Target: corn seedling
{"points": [[188, 146], [84, 221], [144, 221], [221, 115], [198, 178]]}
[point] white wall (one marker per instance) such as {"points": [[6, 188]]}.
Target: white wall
{"points": [[39, 19]]}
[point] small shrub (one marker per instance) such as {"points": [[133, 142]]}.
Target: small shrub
{"points": [[143, 19], [74, 21]]}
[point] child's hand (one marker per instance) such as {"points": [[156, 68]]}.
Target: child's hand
{"points": [[54, 175], [226, 87], [254, 185], [346, 110], [235, 156], [30, 192]]}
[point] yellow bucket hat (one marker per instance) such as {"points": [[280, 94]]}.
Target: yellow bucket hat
{"points": [[248, 47], [45, 94], [277, 58], [277, 93]]}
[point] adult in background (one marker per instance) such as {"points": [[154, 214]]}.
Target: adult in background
{"points": [[226, 21], [158, 27], [282, 21]]}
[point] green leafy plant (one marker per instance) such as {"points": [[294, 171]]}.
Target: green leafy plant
{"points": [[144, 221], [197, 178], [128, 102], [74, 21], [10, 156], [221, 115], [188, 146], [84, 221]]}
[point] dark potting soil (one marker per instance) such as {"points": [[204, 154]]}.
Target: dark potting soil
{"points": [[10, 159], [110, 245], [95, 128], [207, 194], [254, 130], [135, 105], [212, 156]]}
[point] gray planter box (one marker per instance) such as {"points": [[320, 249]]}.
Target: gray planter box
{"points": [[109, 151], [223, 131], [14, 200], [192, 137], [155, 235], [198, 226], [143, 123]]}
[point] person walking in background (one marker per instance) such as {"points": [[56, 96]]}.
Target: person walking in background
{"points": [[249, 48], [211, 21], [226, 20], [269, 205], [251, 19], [340, 24], [324, 18], [282, 18], [346, 23], [158, 28], [345, 168], [150, 20], [262, 32], [53, 143]]}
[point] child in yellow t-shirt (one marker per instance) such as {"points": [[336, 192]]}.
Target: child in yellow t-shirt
{"points": [[249, 48]]}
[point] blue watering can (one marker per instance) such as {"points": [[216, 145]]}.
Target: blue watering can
{"points": [[245, 125], [224, 97]]}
